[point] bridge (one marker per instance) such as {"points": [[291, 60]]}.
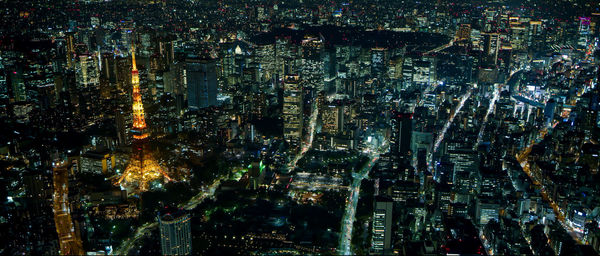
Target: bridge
{"points": [[528, 101], [442, 47]]}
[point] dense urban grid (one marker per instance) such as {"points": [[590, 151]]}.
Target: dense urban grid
{"points": [[271, 127]]}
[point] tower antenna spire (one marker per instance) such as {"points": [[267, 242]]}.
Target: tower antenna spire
{"points": [[133, 64]]}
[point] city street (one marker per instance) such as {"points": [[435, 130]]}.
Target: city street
{"points": [[145, 229], [345, 247]]}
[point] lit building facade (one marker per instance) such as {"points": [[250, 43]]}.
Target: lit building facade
{"points": [[88, 71], [201, 79], [382, 227], [175, 232], [292, 111]]}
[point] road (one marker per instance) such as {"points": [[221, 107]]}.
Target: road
{"points": [[345, 247], [205, 193], [352, 203], [128, 244], [145, 229], [495, 96], [69, 242], [442, 47], [441, 135], [560, 213], [490, 109]]}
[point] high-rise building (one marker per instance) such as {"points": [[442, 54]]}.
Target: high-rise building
{"points": [[88, 71], [333, 117], [379, 60], [464, 32], [18, 85], [381, 242], [292, 111], [201, 79], [70, 49], [421, 141], [175, 232], [549, 111], [142, 167], [400, 141], [491, 45], [486, 210], [466, 176], [584, 32], [423, 72]]}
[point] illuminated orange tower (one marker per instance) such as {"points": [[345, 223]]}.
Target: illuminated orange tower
{"points": [[142, 167]]}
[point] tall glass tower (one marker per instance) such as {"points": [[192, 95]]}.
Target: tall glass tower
{"points": [[175, 232], [201, 79]]}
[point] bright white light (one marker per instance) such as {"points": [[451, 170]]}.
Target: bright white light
{"points": [[440, 137]]}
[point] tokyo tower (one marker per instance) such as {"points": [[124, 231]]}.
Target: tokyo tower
{"points": [[142, 167]]}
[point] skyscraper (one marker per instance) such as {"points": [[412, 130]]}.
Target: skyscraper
{"points": [[201, 78], [17, 85], [401, 126], [378, 60], [464, 32], [175, 232], [292, 111], [70, 49], [142, 167], [381, 242], [87, 71]]}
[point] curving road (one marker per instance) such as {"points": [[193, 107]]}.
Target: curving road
{"points": [[349, 215], [345, 247], [145, 229]]}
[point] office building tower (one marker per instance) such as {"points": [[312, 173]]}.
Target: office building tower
{"points": [[464, 32], [70, 38], [292, 111], [491, 45], [17, 84], [175, 232], [423, 72], [381, 242], [88, 74], [400, 141], [379, 60], [333, 117], [549, 111], [201, 80], [486, 209]]}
